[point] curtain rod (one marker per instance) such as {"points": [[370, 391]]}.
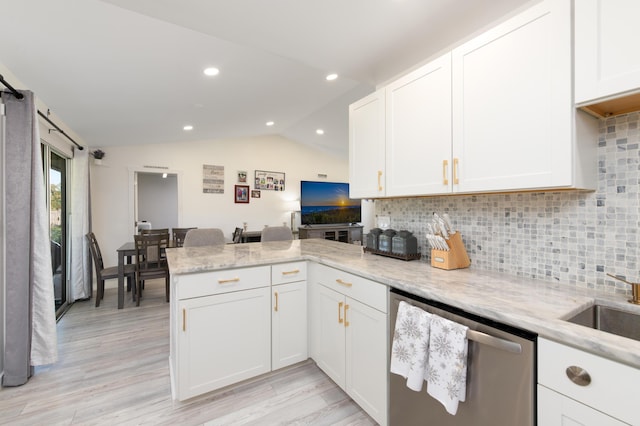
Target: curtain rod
{"points": [[19, 95]]}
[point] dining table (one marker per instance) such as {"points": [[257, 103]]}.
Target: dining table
{"points": [[125, 253]]}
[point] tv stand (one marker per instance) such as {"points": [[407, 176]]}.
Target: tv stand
{"points": [[343, 233]]}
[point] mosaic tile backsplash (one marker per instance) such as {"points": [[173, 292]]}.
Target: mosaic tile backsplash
{"points": [[570, 237]]}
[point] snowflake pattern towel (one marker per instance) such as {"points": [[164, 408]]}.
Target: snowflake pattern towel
{"points": [[446, 374], [410, 345]]}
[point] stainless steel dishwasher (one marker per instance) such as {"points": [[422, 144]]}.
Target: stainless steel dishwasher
{"points": [[501, 374]]}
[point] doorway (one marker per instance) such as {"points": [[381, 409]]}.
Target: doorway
{"points": [[56, 166], [156, 199]]}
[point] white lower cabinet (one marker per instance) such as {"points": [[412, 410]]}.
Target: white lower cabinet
{"points": [[366, 358], [220, 329], [288, 324], [555, 409], [228, 326], [579, 388], [224, 339], [349, 337]]}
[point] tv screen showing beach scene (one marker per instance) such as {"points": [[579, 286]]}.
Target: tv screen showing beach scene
{"points": [[327, 203]]}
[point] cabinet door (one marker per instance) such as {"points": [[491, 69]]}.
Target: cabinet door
{"points": [[512, 109], [366, 147], [418, 125], [366, 358], [555, 409], [330, 336], [223, 339], [289, 324], [606, 34]]}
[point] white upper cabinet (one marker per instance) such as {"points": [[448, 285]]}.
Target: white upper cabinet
{"points": [[418, 124], [495, 114], [606, 61], [367, 147], [513, 115]]}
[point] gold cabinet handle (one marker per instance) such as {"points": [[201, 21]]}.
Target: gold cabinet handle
{"points": [[445, 166], [276, 296], [455, 171], [295, 271], [379, 180], [231, 280], [344, 283], [184, 319], [340, 320], [346, 308]]}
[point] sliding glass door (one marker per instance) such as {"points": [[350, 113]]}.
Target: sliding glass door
{"points": [[55, 166]]}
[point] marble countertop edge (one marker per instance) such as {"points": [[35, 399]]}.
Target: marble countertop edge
{"points": [[534, 305]]}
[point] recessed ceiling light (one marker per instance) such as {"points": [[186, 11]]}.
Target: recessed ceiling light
{"points": [[164, 176], [320, 132], [187, 127], [211, 71], [270, 123], [332, 77]]}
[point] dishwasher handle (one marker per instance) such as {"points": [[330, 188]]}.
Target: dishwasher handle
{"points": [[496, 342]]}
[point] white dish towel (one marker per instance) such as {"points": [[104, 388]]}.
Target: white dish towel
{"points": [[410, 345], [446, 374]]}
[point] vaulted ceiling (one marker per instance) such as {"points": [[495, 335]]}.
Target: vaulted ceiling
{"points": [[122, 72]]}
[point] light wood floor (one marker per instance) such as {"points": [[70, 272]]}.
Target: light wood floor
{"points": [[113, 369]]}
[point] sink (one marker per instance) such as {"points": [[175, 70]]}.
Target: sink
{"points": [[611, 320]]}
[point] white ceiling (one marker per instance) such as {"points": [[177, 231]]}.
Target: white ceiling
{"points": [[122, 72]]}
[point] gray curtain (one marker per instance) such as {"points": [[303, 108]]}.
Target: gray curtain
{"points": [[30, 335]]}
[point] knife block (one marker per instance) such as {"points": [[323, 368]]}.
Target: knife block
{"points": [[455, 258]]}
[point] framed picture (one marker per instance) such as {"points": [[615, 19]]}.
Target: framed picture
{"points": [[255, 193], [271, 181], [241, 193], [242, 176]]}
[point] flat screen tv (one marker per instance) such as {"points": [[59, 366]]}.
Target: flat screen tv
{"points": [[327, 203]]}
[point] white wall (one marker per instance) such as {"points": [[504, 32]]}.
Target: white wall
{"points": [[111, 196]]}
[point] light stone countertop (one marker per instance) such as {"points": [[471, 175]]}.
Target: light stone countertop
{"points": [[534, 305]]}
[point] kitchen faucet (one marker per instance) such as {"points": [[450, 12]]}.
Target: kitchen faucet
{"points": [[635, 289]]}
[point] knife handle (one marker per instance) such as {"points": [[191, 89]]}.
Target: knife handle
{"points": [[445, 165]]}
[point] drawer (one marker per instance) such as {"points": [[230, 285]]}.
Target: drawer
{"points": [[217, 282], [361, 289], [612, 383], [288, 272]]}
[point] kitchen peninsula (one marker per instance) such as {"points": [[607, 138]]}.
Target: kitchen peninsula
{"points": [[537, 306]]}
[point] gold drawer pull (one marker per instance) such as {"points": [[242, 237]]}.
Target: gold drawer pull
{"points": [[445, 165], [295, 271], [346, 308], [184, 319], [344, 283], [276, 307], [455, 172], [231, 280], [379, 179], [340, 321]]}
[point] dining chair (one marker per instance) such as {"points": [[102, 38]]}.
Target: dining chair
{"points": [[276, 233], [103, 273], [178, 235], [150, 261], [204, 237], [237, 235], [155, 231]]}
